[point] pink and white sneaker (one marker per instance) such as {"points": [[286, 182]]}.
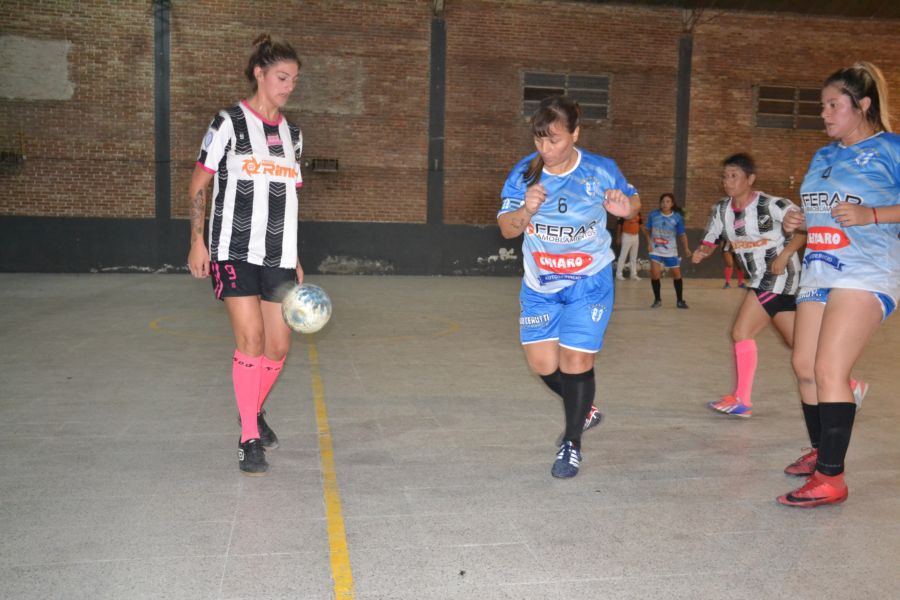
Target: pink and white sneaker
{"points": [[860, 389]]}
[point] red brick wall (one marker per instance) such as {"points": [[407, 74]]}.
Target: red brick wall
{"points": [[380, 139], [363, 98], [91, 155], [733, 52], [491, 44]]}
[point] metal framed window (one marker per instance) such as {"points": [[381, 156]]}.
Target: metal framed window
{"points": [[590, 91], [789, 107]]}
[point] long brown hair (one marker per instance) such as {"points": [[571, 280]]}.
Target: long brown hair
{"points": [[865, 80], [552, 109], [267, 52]]}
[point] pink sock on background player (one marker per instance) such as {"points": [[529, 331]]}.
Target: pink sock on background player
{"points": [[245, 373], [728, 271], [745, 359], [270, 370], [740, 275]]}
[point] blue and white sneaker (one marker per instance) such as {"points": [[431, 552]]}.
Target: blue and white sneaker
{"points": [[732, 405], [567, 460]]}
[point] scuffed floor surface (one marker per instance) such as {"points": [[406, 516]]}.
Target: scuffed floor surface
{"points": [[119, 479]]}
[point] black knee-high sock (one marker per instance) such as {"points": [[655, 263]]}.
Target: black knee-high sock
{"points": [[813, 424], [554, 382], [837, 423], [578, 396], [678, 288], [655, 284]]}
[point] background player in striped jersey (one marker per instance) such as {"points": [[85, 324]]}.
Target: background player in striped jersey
{"points": [[851, 271], [750, 221], [663, 230], [728, 261], [254, 154], [558, 197]]}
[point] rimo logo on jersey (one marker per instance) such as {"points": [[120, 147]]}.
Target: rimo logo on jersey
{"points": [[562, 263], [562, 234], [660, 242], [267, 167], [744, 244], [820, 202], [826, 238]]}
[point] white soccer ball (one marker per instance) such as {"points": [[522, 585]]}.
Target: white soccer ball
{"points": [[306, 308]]}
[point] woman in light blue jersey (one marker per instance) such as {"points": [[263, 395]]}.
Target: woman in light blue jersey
{"points": [[664, 229], [558, 197], [851, 272]]}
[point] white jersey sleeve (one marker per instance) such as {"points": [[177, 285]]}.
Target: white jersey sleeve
{"points": [[297, 141], [716, 224], [216, 142]]}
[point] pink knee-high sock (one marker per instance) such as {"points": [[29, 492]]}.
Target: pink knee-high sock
{"points": [[728, 271], [245, 372], [271, 369], [745, 358], [740, 276]]}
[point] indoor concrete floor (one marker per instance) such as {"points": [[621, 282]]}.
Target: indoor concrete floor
{"points": [[415, 454]]}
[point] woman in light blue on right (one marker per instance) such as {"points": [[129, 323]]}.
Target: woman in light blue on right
{"points": [[851, 272]]}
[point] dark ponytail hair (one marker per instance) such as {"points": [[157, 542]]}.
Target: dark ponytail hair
{"points": [[552, 109], [865, 80], [267, 52], [675, 206]]}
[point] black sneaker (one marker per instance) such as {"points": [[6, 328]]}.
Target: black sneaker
{"points": [[656, 304], [252, 458], [681, 304], [267, 437]]}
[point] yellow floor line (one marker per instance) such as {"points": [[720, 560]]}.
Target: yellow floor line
{"points": [[337, 538]]}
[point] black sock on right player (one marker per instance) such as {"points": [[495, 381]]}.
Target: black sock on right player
{"points": [[837, 424], [813, 425], [655, 284]]}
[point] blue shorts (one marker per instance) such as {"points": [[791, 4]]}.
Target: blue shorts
{"points": [[671, 262], [820, 295], [576, 316]]}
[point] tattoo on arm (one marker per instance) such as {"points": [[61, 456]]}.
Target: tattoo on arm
{"points": [[198, 212]]}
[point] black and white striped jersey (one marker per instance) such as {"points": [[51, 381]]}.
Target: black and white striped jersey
{"points": [[756, 237], [257, 168]]}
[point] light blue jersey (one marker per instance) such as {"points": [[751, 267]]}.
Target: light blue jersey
{"points": [[664, 231], [566, 239], [865, 257]]}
